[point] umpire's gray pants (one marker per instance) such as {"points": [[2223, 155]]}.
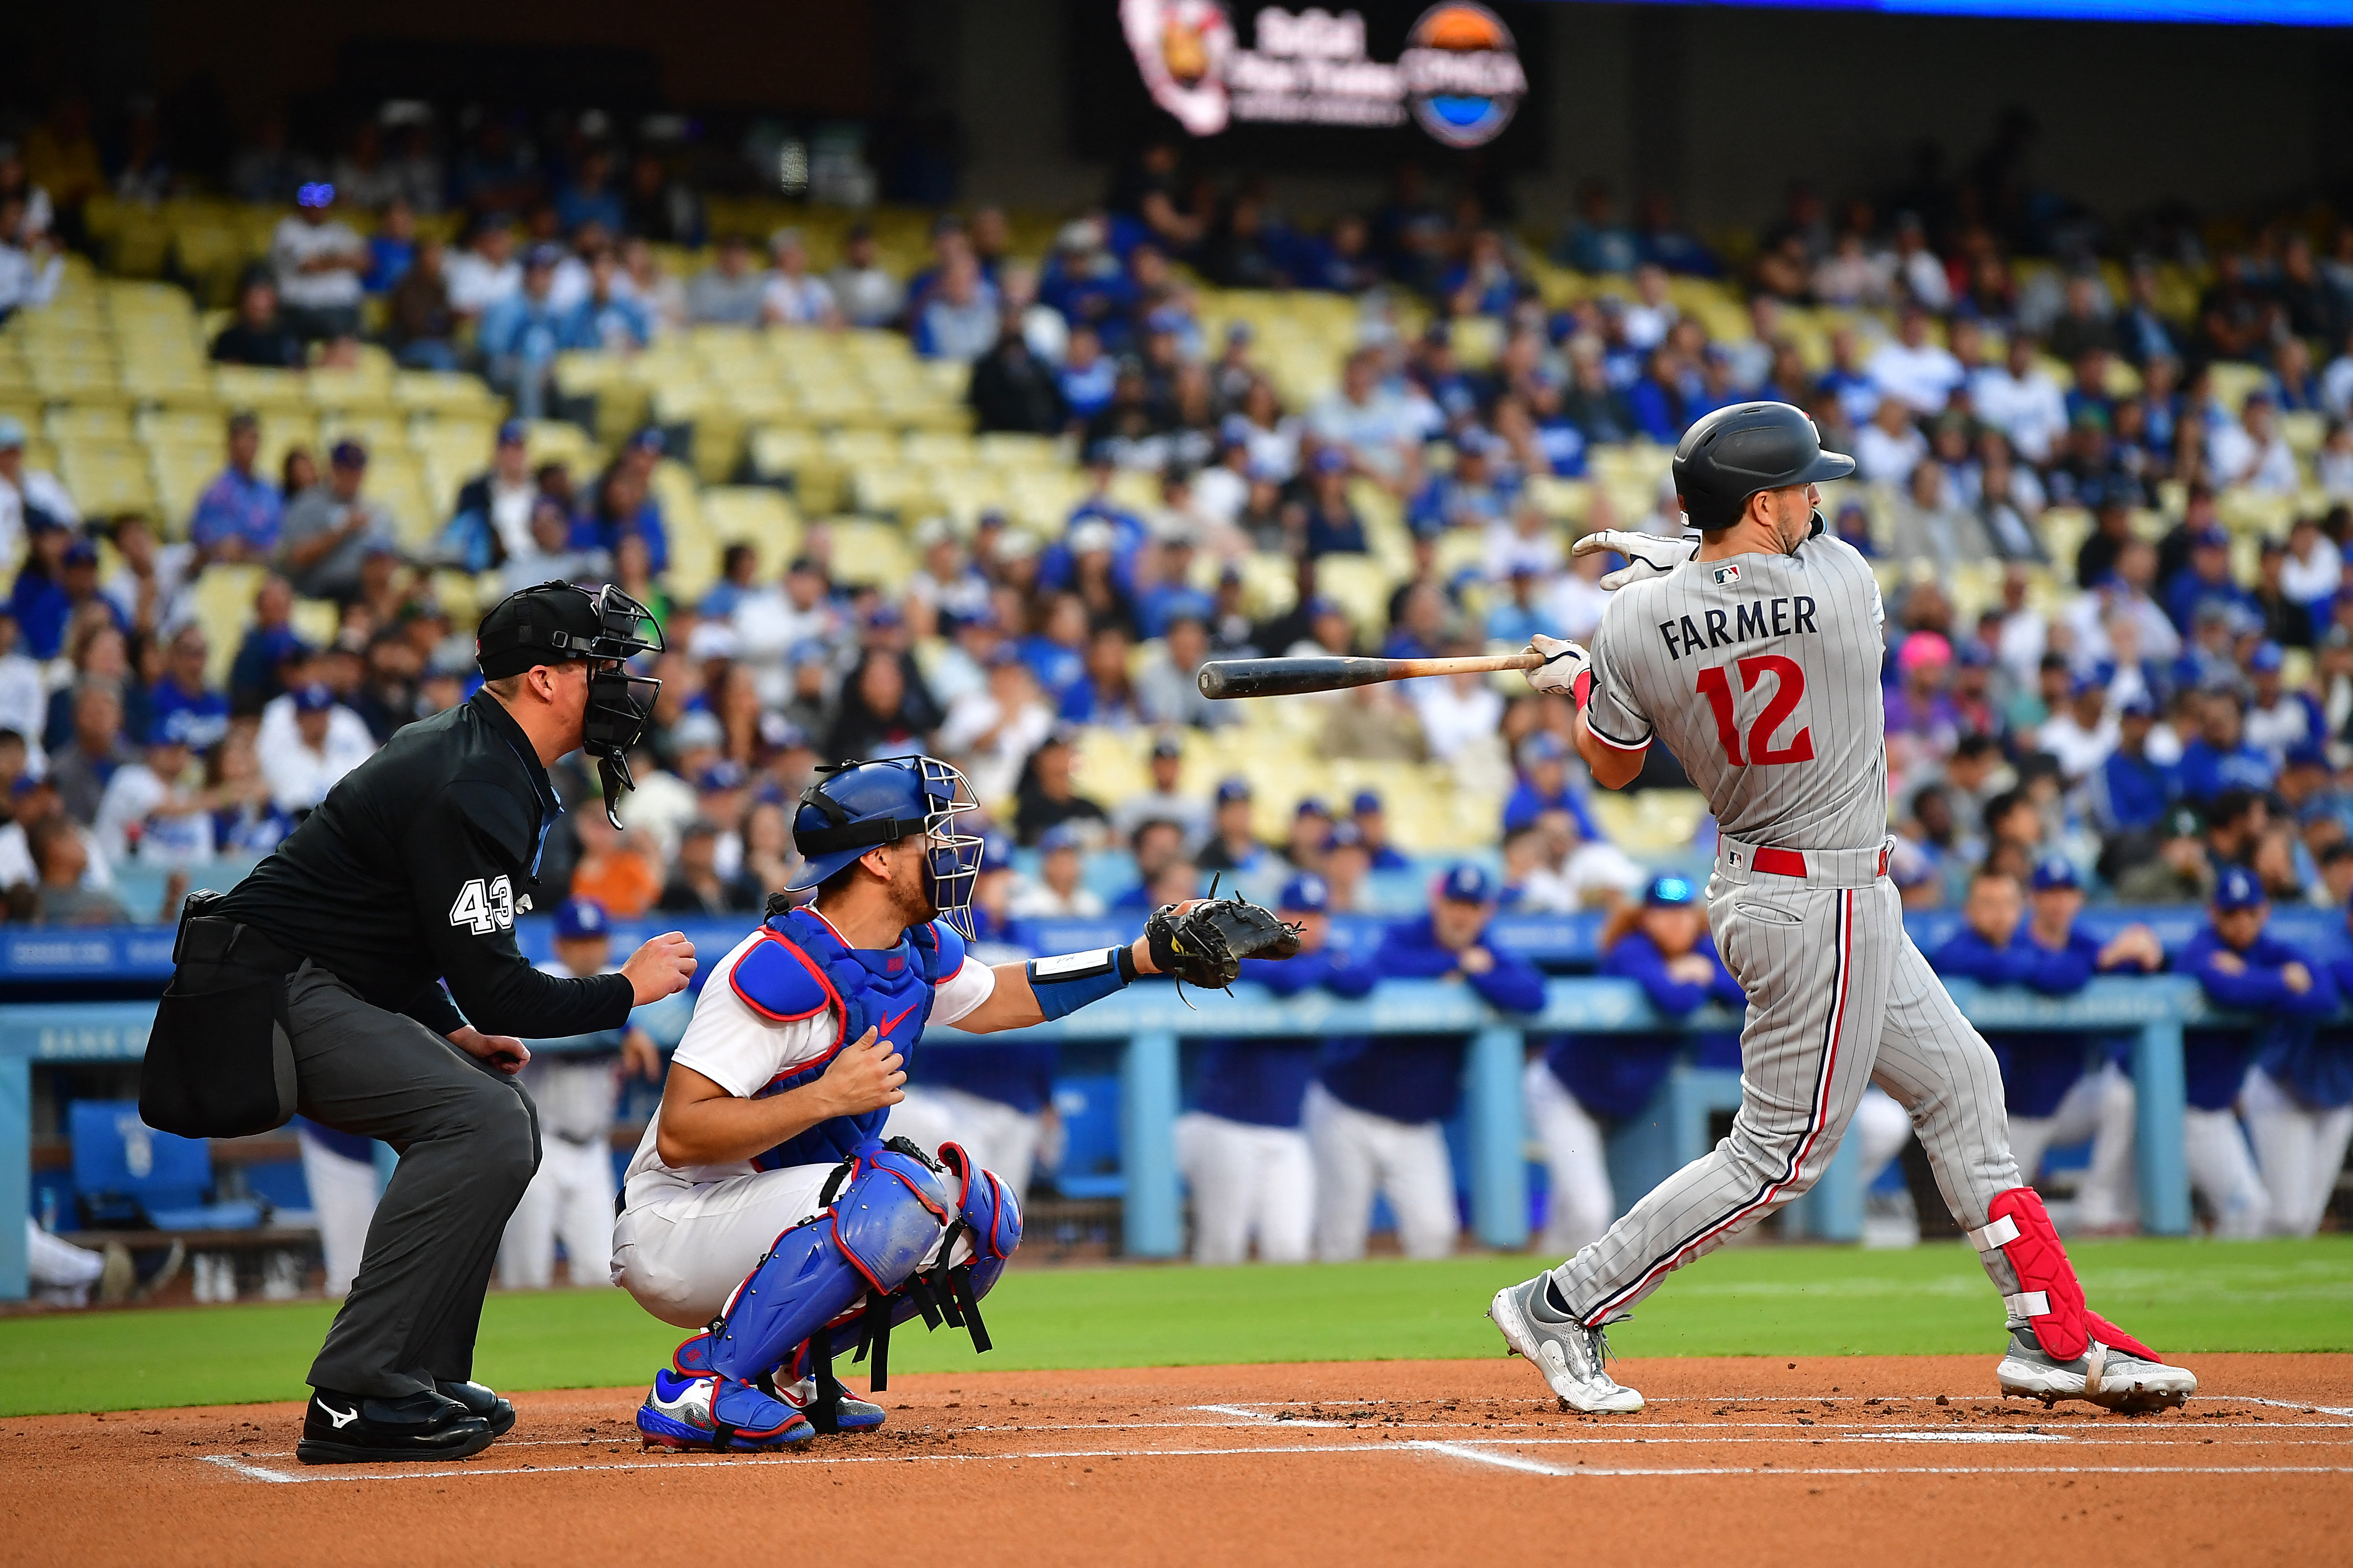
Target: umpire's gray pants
{"points": [[1839, 998], [469, 1141]]}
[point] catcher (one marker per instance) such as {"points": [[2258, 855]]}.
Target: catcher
{"points": [[762, 1207]]}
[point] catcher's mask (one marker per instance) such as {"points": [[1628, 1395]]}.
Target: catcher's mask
{"points": [[856, 806], [555, 622]]}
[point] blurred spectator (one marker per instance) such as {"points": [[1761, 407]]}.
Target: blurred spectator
{"points": [[1013, 389], [886, 711], [1887, 450], [728, 291], [61, 897], [493, 519], [1232, 845], [260, 334], [32, 268], [959, 318], [865, 290], [695, 887], [1913, 370], [486, 270], [614, 867], [662, 296], [148, 811], [657, 205], [330, 529], [1046, 794], [792, 296], [420, 318], [319, 262], [29, 498], [1057, 893], [1167, 688], [1932, 525], [2022, 401], [521, 333], [2250, 451], [237, 517], [2218, 757], [85, 762], [308, 741]]}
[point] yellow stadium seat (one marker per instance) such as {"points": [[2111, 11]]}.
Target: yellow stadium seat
{"points": [[245, 387], [2233, 379], [2304, 429], [446, 393], [757, 515], [99, 422], [106, 477], [863, 551], [1007, 450], [223, 596], [1361, 585], [316, 621]]}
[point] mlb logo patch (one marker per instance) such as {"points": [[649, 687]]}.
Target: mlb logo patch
{"points": [[1727, 575]]}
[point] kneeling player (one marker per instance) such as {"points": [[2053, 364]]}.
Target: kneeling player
{"points": [[762, 1207]]}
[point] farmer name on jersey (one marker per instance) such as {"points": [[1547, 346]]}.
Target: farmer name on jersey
{"points": [[1747, 621]]}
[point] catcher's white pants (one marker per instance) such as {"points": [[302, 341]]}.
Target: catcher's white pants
{"points": [[2098, 1106], [1247, 1182], [998, 1137], [681, 1249], [570, 1199], [2299, 1148], [2223, 1172], [1357, 1155], [343, 1200]]}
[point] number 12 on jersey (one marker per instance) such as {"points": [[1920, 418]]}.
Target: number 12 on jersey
{"points": [[1789, 684]]}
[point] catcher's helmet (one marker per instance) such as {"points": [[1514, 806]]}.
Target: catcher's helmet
{"points": [[857, 806], [1736, 452]]}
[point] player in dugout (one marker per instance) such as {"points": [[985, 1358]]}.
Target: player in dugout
{"points": [[763, 1209]]}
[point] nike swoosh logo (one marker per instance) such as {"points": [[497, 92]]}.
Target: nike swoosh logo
{"points": [[892, 1023], [341, 1418]]}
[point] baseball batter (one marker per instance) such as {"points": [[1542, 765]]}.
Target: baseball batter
{"points": [[1752, 649]]}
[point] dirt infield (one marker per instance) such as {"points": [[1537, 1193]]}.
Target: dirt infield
{"points": [[1880, 1459]]}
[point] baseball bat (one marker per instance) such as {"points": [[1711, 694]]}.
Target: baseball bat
{"points": [[1228, 677]]}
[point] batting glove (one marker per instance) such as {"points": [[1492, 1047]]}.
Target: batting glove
{"points": [[1567, 669], [1647, 554]]}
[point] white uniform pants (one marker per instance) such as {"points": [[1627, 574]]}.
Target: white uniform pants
{"points": [[1358, 1153], [2098, 1106], [570, 1199], [681, 1250], [2299, 1148], [343, 1199], [61, 1273], [1579, 1202], [998, 1137], [1247, 1182], [2223, 1172]]}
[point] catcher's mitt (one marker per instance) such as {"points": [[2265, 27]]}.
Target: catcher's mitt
{"points": [[1206, 942]]}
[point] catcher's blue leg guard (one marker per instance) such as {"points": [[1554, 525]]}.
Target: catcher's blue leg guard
{"points": [[988, 1222], [869, 1241], [795, 1383]]}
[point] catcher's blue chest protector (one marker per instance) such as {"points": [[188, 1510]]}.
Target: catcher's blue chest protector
{"points": [[801, 968]]}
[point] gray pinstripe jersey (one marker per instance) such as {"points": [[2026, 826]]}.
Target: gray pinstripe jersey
{"points": [[1761, 673]]}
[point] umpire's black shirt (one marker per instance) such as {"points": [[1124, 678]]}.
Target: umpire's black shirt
{"points": [[410, 872]]}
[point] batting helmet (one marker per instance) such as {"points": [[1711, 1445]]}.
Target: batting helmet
{"points": [[1736, 452], [857, 806]]}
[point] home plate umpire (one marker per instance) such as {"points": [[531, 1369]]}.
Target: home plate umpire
{"points": [[316, 986]]}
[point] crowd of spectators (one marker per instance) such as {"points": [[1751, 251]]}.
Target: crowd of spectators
{"points": [[2139, 701]]}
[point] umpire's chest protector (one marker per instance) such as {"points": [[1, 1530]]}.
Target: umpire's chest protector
{"points": [[801, 969]]}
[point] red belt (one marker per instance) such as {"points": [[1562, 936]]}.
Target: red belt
{"points": [[1792, 862]]}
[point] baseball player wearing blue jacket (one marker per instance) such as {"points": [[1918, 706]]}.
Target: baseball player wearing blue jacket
{"points": [[1240, 1148], [1376, 1113], [2244, 968]]}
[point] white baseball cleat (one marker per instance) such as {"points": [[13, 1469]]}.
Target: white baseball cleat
{"points": [[1570, 1355], [2106, 1376]]}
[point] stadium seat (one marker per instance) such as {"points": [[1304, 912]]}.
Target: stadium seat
{"points": [[127, 1175]]}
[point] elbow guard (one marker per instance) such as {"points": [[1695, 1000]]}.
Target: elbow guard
{"points": [[1068, 982]]}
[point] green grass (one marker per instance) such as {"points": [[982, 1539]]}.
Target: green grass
{"points": [[1766, 1301]]}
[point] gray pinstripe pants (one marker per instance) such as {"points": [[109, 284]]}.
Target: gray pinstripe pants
{"points": [[1838, 998]]}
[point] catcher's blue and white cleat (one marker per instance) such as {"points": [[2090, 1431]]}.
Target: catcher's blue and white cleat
{"points": [[718, 1413]]}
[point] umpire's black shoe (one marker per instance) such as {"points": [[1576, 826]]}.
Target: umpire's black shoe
{"points": [[489, 1405], [347, 1430]]}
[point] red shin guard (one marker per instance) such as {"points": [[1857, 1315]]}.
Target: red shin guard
{"points": [[2114, 1338], [2047, 1296]]}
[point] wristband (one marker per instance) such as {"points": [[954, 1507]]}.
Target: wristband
{"points": [[1581, 690], [1067, 982]]}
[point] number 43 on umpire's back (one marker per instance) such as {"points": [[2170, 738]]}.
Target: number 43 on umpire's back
{"points": [[483, 908]]}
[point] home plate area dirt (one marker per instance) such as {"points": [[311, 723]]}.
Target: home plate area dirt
{"points": [[1906, 1460]]}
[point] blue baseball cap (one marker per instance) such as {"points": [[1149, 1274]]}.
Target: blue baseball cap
{"points": [[724, 774], [1366, 800], [1061, 836], [1346, 834], [1464, 884], [578, 917], [1311, 806], [1544, 746], [2239, 888], [312, 699], [2054, 871], [81, 552], [996, 852], [1330, 460], [1231, 790], [513, 433], [1669, 890], [2140, 707], [1304, 894], [2308, 754], [2265, 659]]}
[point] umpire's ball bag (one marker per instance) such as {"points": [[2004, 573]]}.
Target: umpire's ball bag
{"points": [[219, 1063]]}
